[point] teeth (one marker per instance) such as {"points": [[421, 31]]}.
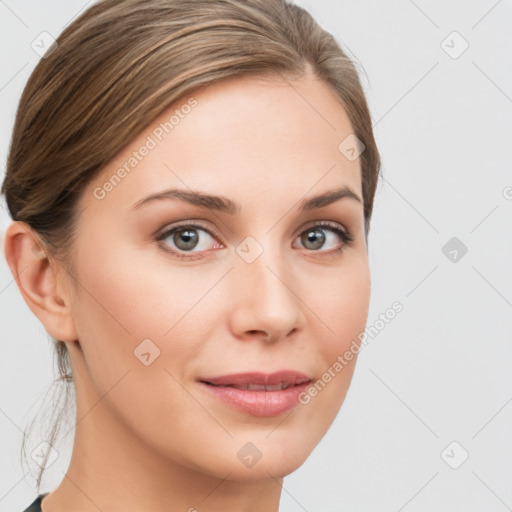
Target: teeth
{"points": [[259, 387]]}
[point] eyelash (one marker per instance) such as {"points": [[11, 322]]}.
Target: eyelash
{"points": [[345, 236]]}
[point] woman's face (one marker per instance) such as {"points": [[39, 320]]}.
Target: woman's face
{"points": [[245, 283]]}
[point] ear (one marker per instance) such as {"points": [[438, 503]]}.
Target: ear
{"points": [[42, 284]]}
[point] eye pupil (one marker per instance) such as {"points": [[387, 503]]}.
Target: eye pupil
{"points": [[188, 236], [316, 236]]}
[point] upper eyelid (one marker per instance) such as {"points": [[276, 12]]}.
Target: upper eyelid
{"points": [[322, 223], [184, 224]]}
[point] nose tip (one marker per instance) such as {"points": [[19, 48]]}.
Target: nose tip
{"points": [[264, 303]]}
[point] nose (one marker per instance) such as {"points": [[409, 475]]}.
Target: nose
{"points": [[265, 305]]}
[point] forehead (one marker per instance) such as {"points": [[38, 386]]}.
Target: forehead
{"points": [[248, 133]]}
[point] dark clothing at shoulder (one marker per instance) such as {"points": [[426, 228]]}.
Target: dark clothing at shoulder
{"points": [[35, 506]]}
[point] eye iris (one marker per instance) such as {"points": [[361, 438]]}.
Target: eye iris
{"points": [[187, 236], [316, 236]]}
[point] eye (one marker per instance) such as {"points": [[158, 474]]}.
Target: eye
{"points": [[315, 237], [187, 237], [182, 240]]}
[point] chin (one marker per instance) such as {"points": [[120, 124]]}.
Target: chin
{"points": [[241, 459], [267, 467], [272, 458]]}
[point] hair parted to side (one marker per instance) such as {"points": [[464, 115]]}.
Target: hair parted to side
{"points": [[118, 66]]}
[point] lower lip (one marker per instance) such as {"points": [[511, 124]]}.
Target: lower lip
{"points": [[258, 403]]}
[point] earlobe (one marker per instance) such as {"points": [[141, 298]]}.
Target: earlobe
{"points": [[40, 284]]}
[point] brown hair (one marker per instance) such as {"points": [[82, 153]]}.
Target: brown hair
{"points": [[119, 65]]}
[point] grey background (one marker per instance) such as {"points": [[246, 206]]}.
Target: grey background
{"points": [[440, 371]]}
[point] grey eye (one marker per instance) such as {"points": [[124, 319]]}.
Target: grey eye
{"points": [[315, 237]]}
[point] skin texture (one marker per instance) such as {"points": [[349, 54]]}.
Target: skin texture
{"points": [[148, 438]]}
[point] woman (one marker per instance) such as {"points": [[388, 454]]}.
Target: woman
{"points": [[191, 186]]}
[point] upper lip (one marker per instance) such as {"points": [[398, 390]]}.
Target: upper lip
{"points": [[289, 377]]}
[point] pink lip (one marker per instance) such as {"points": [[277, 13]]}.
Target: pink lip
{"points": [[258, 402]]}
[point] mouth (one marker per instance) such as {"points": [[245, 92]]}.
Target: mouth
{"points": [[257, 393], [258, 381], [253, 387]]}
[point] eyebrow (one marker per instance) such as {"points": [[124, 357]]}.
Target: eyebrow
{"points": [[223, 204]]}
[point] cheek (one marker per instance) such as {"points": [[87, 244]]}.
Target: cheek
{"points": [[131, 311], [124, 311], [127, 295], [342, 307]]}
